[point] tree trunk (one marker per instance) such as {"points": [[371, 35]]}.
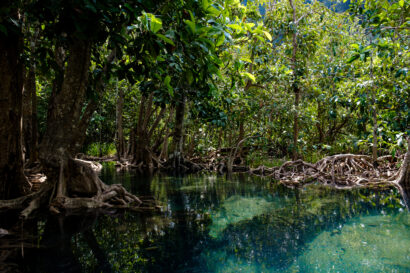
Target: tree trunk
{"points": [[59, 140], [241, 136], [34, 126], [27, 116], [12, 179], [404, 176], [164, 150], [296, 125], [120, 134], [374, 110], [295, 87], [131, 142], [319, 126], [219, 145], [30, 116], [74, 181], [178, 136], [142, 152]]}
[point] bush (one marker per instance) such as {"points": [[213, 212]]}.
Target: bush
{"points": [[107, 149]]}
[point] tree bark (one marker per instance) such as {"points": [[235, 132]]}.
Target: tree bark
{"points": [[30, 115], [34, 125], [374, 110], [178, 136], [164, 150], [59, 140], [12, 180], [404, 176], [142, 152], [27, 115], [120, 134]]}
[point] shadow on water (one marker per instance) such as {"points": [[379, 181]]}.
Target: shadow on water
{"points": [[212, 224]]}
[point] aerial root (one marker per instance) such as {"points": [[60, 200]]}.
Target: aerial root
{"points": [[342, 170]]}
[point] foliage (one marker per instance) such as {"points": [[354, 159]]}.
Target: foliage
{"points": [[233, 66], [101, 149]]}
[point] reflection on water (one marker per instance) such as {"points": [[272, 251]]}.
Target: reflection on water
{"points": [[246, 224]]}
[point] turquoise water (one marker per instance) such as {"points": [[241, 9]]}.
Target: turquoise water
{"points": [[246, 224]]}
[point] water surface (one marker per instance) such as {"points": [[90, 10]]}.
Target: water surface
{"points": [[246, 224]]}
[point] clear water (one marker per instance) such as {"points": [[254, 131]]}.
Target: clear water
{"points": [[246, 224]]}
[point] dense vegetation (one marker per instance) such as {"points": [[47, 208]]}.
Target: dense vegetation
{"points": [[301, 91], [176, 83]]}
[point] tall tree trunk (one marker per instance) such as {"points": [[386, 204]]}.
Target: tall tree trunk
{"points": [[60, 139], [12, 179], [30, 115], [120, 134], [178, 136], [219, 139], [27, 116], [295, 86], [131, 142], [295, 153], [34, 126], [374, 110], [319, 126], [142, 152], [164, 150], [240, 137], [404, 176], [30, 130]]}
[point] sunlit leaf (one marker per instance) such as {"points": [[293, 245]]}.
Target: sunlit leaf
{"points": [[267, 34]]}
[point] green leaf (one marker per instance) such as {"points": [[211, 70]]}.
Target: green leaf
{"points": [[191, 25], [220, 40], [235, 27], [355, 46], [401, 3], [249, 76], [189, 77], [246, 59], [156, 24], [205, 4], [165, 39], [213, 11], [167, 81], [260, 38], [353, 58], [267, 34]]}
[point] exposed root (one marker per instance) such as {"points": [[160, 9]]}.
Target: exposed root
{"points": [[183, 166], [76, 186], [342, 170], [86, 190]]}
